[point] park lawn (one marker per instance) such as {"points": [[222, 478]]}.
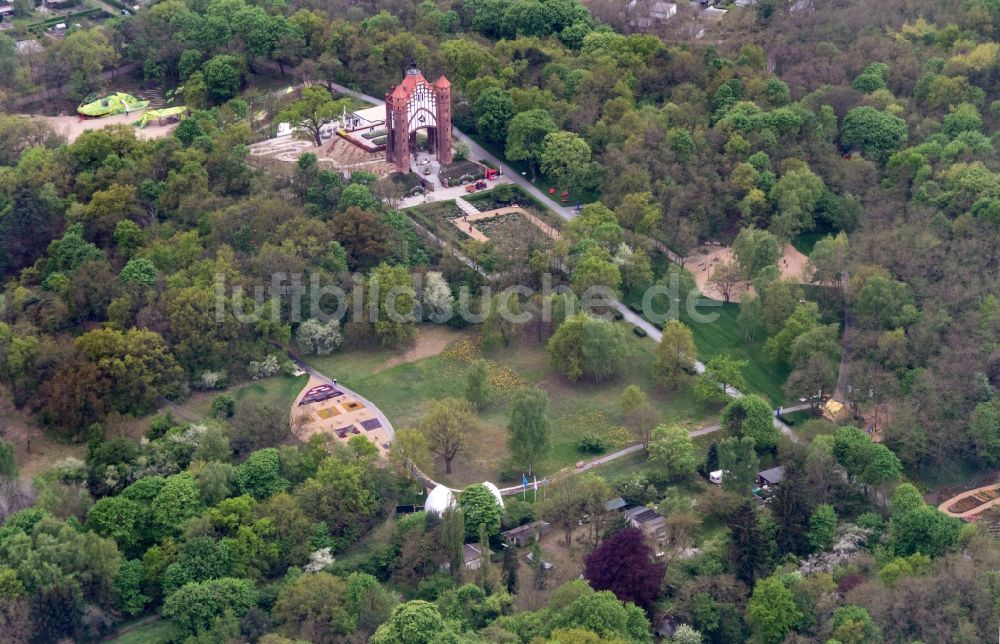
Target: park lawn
{"points": [[279, 391], [723, 336], [591, 407], [403, 391], [805, 242], [160, 631]]}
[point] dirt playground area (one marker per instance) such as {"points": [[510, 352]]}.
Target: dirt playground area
{"points": [[707, 258], [324, 408], [72, 126]]}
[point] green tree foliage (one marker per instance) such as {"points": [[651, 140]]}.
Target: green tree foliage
{"points": [[223, 77], [315, 108], [313, 607], [985, 431], [389, 292], [871, 79], [873, 463], [874, 132], [8, 463], [822, 527], [177, 500], [751, 416], [566, 500], [447, 427], [477, 384], [529, 427], [415, 622], [596, 273], [796, 195], [721, 372], [675, 354], [493, 109], [344, 496], [671, 447], [854, 625], [196, 606], [566, 158], [128, 588], [479, 507], [755, 249], [139, 271], [526, 133], [260, 475], [739, 464], [748, 545], [772, 611], [587, 346], [916, 527]]}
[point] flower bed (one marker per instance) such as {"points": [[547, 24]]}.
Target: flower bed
{"points": [[964, 505]]}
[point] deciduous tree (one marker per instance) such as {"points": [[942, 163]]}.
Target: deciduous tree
{"points": [[624, 564], [671, 447], [448, 425], [314, 109], [675, 354], [529, 427]]}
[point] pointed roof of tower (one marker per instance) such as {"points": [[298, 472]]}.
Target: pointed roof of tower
{"points": [[442, 83]]}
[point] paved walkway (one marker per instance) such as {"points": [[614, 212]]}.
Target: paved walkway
{"points": [[976, 510]]}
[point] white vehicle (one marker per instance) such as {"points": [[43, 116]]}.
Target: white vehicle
{"points": [[715, 477]]}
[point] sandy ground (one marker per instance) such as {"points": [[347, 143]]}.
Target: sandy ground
{"points": [[73, 126], [431, 340], [34, 451], [706, 258]]}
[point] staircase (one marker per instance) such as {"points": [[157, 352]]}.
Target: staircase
{"points": [[154, 97], [466, 207]]}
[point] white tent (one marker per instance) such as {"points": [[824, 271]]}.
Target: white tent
{"points": [[439, 500], [495, 491]]}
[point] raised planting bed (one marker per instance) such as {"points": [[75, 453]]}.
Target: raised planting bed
{"points": [[964, 505]]}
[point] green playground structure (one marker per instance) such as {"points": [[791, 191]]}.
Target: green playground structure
{"points": [[163, 115], [97, 105]]}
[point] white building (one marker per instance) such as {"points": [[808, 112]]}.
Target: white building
{"points": [[648, 14], [440, 499]]}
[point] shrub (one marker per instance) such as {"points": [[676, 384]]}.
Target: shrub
{"points": [[224, 406], [639, 331], [591, 443]]}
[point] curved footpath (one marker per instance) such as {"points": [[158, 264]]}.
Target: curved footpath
{"points": [[976, 510]]}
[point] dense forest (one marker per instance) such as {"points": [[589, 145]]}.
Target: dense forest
{"points": [[861, 132]]}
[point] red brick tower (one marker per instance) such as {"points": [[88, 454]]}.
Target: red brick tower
{"points": [[442, 96], [397, 142], [416, 104]]}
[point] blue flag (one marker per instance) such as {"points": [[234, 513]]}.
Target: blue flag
{"points": [[524, 481]]}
